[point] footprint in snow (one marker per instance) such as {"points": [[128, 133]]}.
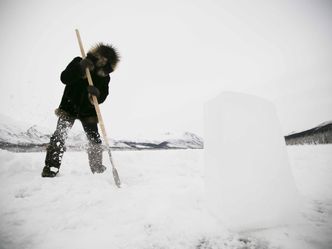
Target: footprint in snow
{"points": [[24, 192]]}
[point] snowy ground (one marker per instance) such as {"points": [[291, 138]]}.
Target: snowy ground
{"points": [[159, 206]]}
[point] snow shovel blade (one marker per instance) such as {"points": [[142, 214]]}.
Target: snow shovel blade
{"points": [[115, 172], [116, 178]]}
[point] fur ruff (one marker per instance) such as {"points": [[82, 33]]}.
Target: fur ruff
{"points": [[107, 51]]}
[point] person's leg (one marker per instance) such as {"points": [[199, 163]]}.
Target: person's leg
{"points": [[56, 147], [95, 150]]}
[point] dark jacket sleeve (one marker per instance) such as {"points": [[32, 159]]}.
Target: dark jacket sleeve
{"points": [[103, 88], [72, 73]]}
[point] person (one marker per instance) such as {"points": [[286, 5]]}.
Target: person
{"points": [[77, 103]]}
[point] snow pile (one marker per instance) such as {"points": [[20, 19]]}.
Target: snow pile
{"points": [[248, 178]]}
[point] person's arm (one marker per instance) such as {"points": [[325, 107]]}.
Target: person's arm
{"points": [[104, 90], [101, 92], [73, 72]]}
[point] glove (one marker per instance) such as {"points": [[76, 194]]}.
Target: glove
{"points": [[94, 91], [86, 63]]}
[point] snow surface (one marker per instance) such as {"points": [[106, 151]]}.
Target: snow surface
{"points": [[160, 205], [248, 177]]}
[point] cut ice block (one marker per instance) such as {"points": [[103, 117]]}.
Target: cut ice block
{"points": [[249, 183]]}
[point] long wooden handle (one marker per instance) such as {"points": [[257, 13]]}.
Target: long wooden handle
{"points": [[100, 118], [94, 98]]}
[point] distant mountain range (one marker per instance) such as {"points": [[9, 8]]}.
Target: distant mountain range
{"points": [[14, 137], [321, 134]]}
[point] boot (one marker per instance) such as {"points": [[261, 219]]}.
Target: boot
{"points": [[56, 147], [49, 171], [95, 154], [54, 154], [99, 169]]}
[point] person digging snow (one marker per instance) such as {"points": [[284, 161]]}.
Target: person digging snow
{"points": [[77, 103]]}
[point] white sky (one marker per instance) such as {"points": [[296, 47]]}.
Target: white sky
{"points": [[175, 56]]}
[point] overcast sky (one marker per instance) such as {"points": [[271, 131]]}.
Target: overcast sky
{"points": [[175, 56]]}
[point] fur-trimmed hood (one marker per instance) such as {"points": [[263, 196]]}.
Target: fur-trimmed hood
{"points": [[107, 51]]}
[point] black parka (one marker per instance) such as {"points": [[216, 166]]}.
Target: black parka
{"points": [[75, 100]]}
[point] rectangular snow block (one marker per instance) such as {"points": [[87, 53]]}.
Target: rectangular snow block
{"points": [[249, 183]]}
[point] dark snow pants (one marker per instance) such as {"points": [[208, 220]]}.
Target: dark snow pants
{"points": [[56, 147]]}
